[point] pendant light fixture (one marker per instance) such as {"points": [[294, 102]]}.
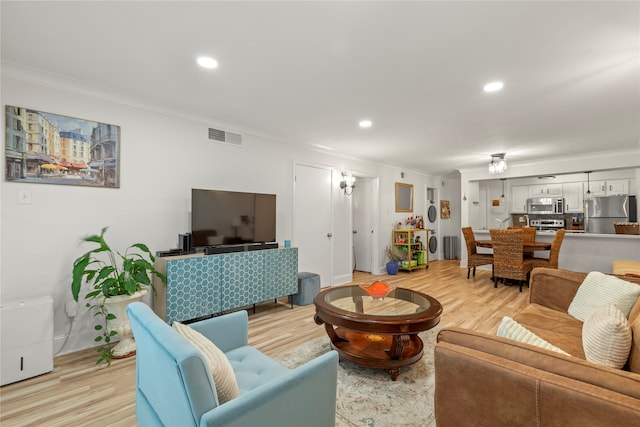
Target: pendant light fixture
{"points": [[588, 185], [498, 164]]}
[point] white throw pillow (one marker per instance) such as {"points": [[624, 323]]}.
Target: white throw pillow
{"points": [[511, 329], [599, 289], [606, 337], [221, 370]]}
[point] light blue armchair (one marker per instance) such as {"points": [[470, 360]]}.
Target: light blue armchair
{"points": [[174, 386]]}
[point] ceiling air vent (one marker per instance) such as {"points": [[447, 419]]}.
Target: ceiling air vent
{"points": [[224, 136]]}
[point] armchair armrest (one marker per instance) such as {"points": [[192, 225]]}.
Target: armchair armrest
{"points": [[554, 288], [303, 396], [227, 332]]}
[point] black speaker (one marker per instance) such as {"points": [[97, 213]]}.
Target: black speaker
{"points": [[223, 249], [189, 242], [184, 243]]}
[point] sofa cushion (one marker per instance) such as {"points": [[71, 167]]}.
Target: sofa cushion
{"points": [[511, 329], [598, 289], [606, 337], [252, 368], [221, 370], [556, 327]]}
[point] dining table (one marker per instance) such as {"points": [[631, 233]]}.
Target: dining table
{"points": [[528, 247]]}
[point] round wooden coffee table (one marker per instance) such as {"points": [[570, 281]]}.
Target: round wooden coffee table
{"points": [[377, 332]]}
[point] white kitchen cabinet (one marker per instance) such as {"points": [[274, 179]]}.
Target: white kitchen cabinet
{"points": [[519, 196], [597, 188], [545, 190], [608, 188], [573, 197], [617, 186]]}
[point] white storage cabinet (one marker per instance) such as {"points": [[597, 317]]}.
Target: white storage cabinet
{"points": [[573, 197], [26, 339], [519, 196], [609, 188]]}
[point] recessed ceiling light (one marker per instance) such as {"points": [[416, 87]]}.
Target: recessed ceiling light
{"points": [[493, 86], [206, 62], [365, 124]]}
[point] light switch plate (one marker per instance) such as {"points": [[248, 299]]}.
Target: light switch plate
{"points": [[24, 197]]}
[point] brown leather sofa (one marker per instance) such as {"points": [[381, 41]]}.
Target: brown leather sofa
{"points": [[485, 380]]}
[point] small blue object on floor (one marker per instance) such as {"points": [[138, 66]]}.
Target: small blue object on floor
{"points": [[308, 288]]}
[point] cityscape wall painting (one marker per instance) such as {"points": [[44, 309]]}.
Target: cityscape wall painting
{"points": [[49, 148]]}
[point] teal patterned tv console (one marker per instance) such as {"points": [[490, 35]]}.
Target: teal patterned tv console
{"points": [[201, 285]]}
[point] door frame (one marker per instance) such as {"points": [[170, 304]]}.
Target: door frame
{"points": [[375, 197]]}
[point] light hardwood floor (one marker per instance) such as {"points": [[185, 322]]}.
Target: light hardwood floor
{"points": [[77, 393]]}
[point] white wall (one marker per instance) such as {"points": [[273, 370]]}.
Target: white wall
{"points": [[163, 156]]}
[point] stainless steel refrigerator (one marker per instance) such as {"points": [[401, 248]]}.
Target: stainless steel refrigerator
{"points": [[602, 211]]}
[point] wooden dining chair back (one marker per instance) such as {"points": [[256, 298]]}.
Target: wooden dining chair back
{"points": [[528, 233], [508, 256], [528, 237], [554, 253], [474, 259]]}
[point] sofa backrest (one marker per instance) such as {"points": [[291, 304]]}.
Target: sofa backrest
{"points": [[544, 278], [173, 383]]}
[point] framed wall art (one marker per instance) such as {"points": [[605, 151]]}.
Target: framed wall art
{"points": [[404, 197], [445, 209], [48, 148]]}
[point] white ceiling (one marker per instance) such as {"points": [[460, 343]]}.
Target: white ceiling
{"points": [[307, 72]]}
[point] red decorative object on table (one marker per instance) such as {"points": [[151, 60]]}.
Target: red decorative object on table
{"points": [[378, 289]]}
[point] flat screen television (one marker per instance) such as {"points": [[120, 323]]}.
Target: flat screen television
{"points": [[232, 218]]}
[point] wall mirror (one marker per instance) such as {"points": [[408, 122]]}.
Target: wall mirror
{"points": [[404, 197]]}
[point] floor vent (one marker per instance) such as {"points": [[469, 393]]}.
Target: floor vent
{"points": [[224, 136]]}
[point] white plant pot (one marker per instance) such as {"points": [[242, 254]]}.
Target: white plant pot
{"points": [[118, 306]]}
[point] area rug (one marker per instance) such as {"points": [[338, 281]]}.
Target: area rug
{"points": [[368, 397]]}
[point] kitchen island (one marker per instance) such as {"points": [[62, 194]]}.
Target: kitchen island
{"points": [[583, 252]]}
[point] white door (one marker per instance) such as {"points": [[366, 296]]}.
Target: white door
{"points": [[362, 223], [312, 228]]}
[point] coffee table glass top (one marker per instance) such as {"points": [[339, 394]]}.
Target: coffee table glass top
{"points": [[399, 302]]}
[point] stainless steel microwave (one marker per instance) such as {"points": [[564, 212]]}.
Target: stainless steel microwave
{"points": [[545, 205]]}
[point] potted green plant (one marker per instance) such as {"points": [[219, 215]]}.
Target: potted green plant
{"points": [[115, 280], [395, 256]]}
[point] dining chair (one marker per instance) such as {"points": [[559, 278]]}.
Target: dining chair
{"points": [[552, 261], [528, 237], [528, 233], [508, 257], [474, 259]]}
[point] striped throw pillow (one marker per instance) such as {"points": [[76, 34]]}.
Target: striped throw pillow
{"points": [[511, 329], [599, 289], [219, 365], [606, 337]]}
